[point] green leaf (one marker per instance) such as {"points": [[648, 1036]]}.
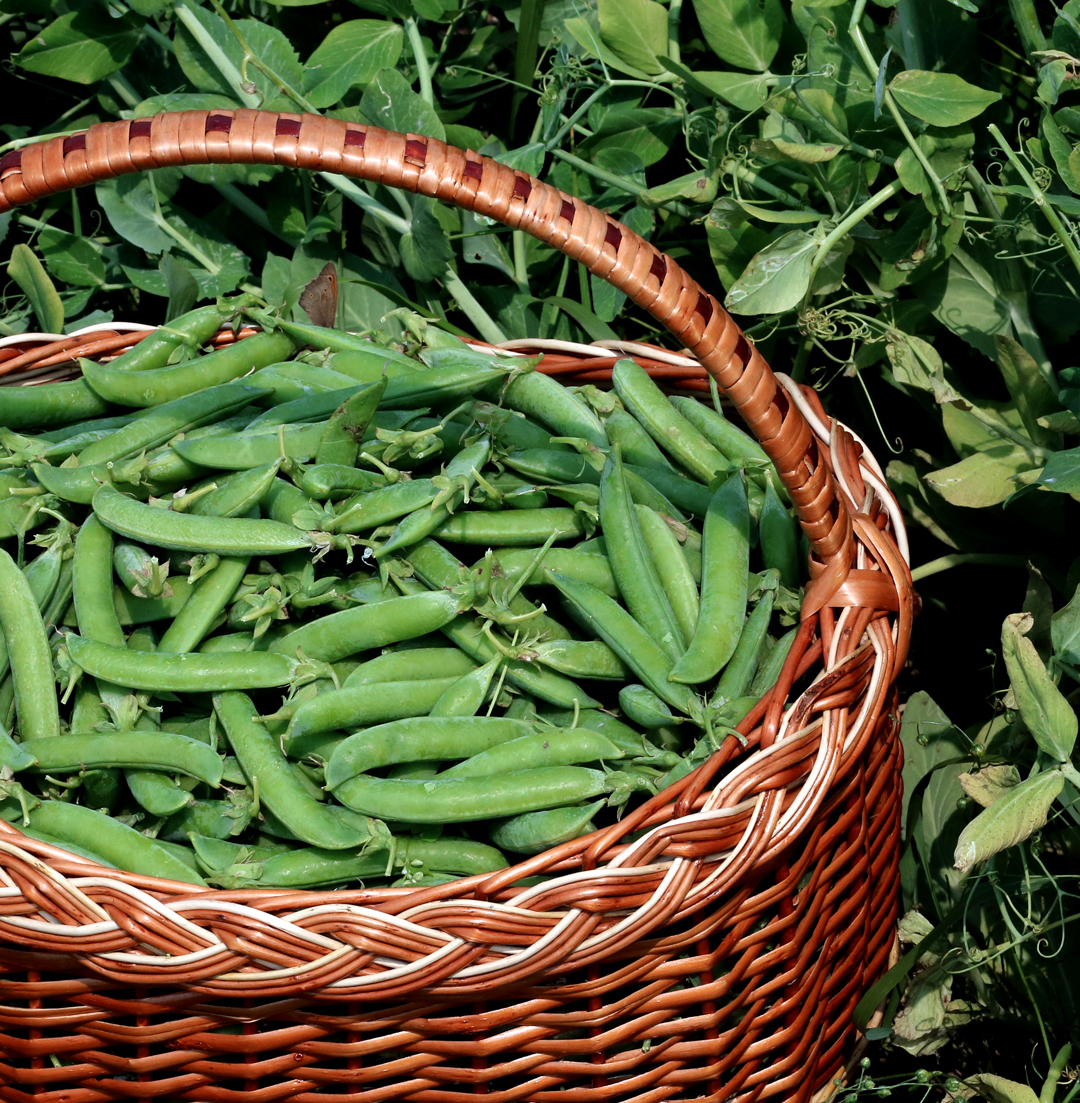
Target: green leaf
{"points": [[732, 241], [966, 298], [128, 202], [588, 38], [636, 30], [929, 739], [392, 9], [916, 363], [1062, 472], [645, 131], [425, 252], [1061, 152], [1008, 821], [807, 153], [985, 478], [745, 91], [1028, 387], [1043, 708], [27, 271], [999, 1090], [942, 99], [71, 259], [1065, 631], [777, 278], [82, 46], [352, 53], [389, 101], [181, 286], [744, 33]]}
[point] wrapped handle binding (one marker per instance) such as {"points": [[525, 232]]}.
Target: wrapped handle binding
{"points": [[466, 179]]}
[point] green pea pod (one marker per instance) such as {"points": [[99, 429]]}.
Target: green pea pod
{"points": [[189, 330], [161, 385], [358, 706], [377, 507], [159, 794], [92, 584], [337, 340], [140, 572], [645, 708], [93, 425], [234, 495], [668, 428], [636, 444], [728, 439], [222, 535], [548, 402], [309, 407], [14, 755], [593, 569], [410, 665], [462, 800], [687, 495], [550, 747], [637, 578], [512, 431], [283, 501], [177, 754], [779, 537], [741, 667], [209, 598], [550, 466], [420, 739], [49, 404], [334, 480], [468, 693], [724, 585], [237, 451], [580, 659], [534, 832], [340, 441], [118, 844], [371, 363], [637, 649], [418, 388], [509, 527], [188, 673], [28, 653], [279, 789], [671, 566]]}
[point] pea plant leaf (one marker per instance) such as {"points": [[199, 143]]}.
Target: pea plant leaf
{"points": [[777, 278], [744, 33], [82, 46], [1011, 818], [29, 273], [71, 259], [390, 101], [1062, 472], [352, 53], [636, 30], [425, 252], [985, 478], [1065, 631], [1042, 706], [942, 99]]}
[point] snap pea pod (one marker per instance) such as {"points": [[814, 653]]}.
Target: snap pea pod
{"points": [[189, 331], [191, 673], [167, 384], [769, 670], [419, 739], [283, 501], [72, 848], [50, 404], [779, 538], [309, 407], [637, 446], [210, 597], [511, 430], [463, 800], [234, 495], [533, 832], [637, 649], [340, 442], [337, 340], [72, 446], [28, 653], [636, 576], [646, 709], [548, 465], [413, 388], [159, 794], [580, 659], [585, 567], [236, 451], [91, 425], [222, 535], [141, 574], [468, 693], [553, 747], [548, 402], [726, 438], [260, 757], [118, 844], [333, 480], [684, 493], [63, 754], [520, 526], [412, 664], [668, 428], [724, 581], [364, 627], [292, 381], [383, 505], [672, 569], [740, 669]]}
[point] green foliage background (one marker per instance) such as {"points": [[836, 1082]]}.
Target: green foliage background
{"points": [[886, 195]]}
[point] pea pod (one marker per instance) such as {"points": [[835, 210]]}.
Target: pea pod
{"points": [[235, 495], [643, 707], [222, 535], [672, 569], [468, 693], [237, 451], [533, 832], [188, 331], [190, 673], [177, 754], [724, 573], [340, 442], [779, 538], [377, 507], [49, 404], [552, 747], [337, 340], [585, 567], [141, 574], [309, 407], [462, 800], [729, 439], [769, 670], [510, 527], [412, 664], [637, 446], [548, 402], [333, 480], [209, 598], [512, 431], [740, 669]]}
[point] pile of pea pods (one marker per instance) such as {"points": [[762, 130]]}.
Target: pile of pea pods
{"points": [[318, 609]]}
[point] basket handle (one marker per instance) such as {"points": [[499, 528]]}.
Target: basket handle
{"points": [[430, 167]]}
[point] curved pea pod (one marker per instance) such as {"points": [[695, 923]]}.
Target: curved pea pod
{"points": [[584, 566], [317, 406], [548, 465], [468, 693], [637, 446], [645, 708], [364, 627], [160, 385], [725, 569], [72, 848], [159, 794], [295, 380], [190, 330], [283, 501], [672, 569], [28, 653], [726, 438], [580, 659], [533, 832], [279, 788], [176, 754], [668, 428], [548, 402], [189, 673], [50, 404], [222, 535], [369, 364], [739, 671], [510, 527], [140, 572], [356, 706], [770, 666], [412, 664], [637, 578], [216, 819], [462, 800], [550, 747], [377, 507], [684, 493], [118, 844], [511, 430], [13, 755], [334, 480], [778, 535], [236, 451], [209, 598], [628, 640], [419, 739], [416, 388], [341, 438], [235, 495]]}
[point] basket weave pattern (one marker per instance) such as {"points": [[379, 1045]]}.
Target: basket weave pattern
{"points": [[711, 945]]}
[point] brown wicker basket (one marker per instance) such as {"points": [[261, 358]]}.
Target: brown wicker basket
{"points": [[711, 946]]}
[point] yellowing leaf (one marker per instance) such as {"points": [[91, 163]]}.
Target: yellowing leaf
{"points": [[1048, 716], [985, 478]]}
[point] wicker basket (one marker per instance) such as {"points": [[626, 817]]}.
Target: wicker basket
{"points": [[718, 955]]}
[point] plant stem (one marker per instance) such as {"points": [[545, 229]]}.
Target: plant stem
{"points": [[958, 559], [748, 176], [853, 219], [484, 323], [247, 206], [122, 87], [618, 181], [521, 267], [1027, 24], [1049, 1088], [1040, 199], [353, 191], [423, 69], [215, 53], [674, 15]]}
